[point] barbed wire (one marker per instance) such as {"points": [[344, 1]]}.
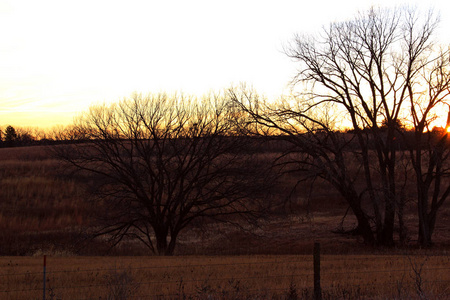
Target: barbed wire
{"points": [[325, 275], [222, 279], [100, 270], [149, 267], [250, 291], [49, 272]]}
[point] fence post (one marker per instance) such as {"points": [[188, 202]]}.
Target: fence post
{"points": [[45, 266], [317, 289]]}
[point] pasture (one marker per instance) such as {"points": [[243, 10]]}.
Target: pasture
{"points": [[226, 277], [45, 211]]}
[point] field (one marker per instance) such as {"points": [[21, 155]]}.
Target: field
{"points": [[226, 277], [45, 211]]}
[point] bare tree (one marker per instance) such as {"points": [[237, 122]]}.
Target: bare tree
{"points": [[161, 162], [428, 93], [317, 149], [364, 74], [69, 133]]}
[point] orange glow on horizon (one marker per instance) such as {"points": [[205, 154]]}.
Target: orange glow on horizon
{"points": [[46, 81]]}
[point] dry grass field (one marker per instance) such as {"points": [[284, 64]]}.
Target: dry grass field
{"points": [[226, 277], [44, 212], [38, 207]]}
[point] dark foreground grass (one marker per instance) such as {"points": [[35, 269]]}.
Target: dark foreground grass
{"points": [[226, 277]]}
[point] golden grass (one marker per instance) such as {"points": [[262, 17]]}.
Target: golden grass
{"points": [[266, 277], [39, 203], [39, 208], [35, 197]]}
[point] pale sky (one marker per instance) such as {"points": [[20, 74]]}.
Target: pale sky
{"points": [[58, 57]]}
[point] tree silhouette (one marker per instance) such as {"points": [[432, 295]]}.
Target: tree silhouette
{"points": [[159, 162], [10, 136], [369, 73]]}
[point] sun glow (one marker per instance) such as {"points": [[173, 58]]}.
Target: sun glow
{"points": [[59, 57]]}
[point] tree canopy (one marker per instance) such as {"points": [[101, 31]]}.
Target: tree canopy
{"points": [[371, 73], [161, 161]]}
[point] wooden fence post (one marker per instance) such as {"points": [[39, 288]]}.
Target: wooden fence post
{"points": [[45, 266], [317, 289]]}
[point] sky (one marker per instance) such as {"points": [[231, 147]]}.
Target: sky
{"points": [[58, 57]]}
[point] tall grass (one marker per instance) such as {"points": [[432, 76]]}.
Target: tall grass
{"points": [[44, 210], [39, 206], [226, 277]]}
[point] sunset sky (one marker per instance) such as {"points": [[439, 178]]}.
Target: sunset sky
{"points": [[58, 57]]}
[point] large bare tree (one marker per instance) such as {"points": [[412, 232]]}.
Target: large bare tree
{"points": [[160, 162], [370, 75], [428, 91]]}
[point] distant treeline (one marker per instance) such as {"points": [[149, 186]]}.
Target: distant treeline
{"points": [[26, 136], [32, 136]]}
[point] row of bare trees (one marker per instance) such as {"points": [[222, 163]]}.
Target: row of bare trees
{"points": [[160, 162], [370, 74], [11, 136]]}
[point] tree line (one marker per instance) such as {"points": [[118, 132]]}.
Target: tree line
{"points": [[159, 163], [16, 136], [379, 70]]}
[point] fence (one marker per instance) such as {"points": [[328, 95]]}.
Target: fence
{"points": [[262, 277]]}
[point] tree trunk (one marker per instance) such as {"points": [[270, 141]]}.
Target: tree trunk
{"points": [[402, 231], [426, 228], [424, 234], [424, 238], [162, 246], [171, 247], [387, 233], [364, 229]]}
